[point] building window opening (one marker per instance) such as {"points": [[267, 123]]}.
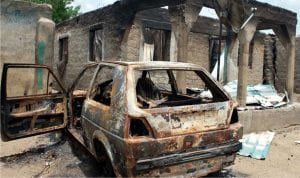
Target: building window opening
{"points": [[156, 44], [96, 45], [63, 49], [63, 55]]}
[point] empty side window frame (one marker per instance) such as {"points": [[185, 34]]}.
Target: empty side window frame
{"points": [[102, 85], [31, 82], [96, 43]]}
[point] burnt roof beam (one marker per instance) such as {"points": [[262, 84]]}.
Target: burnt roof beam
{"points": [[139, 5], [275, 16], [265, 12]]}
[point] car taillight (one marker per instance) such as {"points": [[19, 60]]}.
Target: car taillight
{"points": [[234, 116], [139, 127]]}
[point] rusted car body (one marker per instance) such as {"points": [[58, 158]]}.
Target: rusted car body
{"points": [[133, 117]]}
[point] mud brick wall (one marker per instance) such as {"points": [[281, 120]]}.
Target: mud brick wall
{"points": [[78, 53], [121, 42], [111, 19], [276, 63], [198, 49], [281, 63], [161, 79], [255, 74], [131, 47], [275, 67], [124, 42], [18, 23], [26, 36], [269, 60]]}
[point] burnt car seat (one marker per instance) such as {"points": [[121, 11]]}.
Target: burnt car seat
{"points": [[147, 89]]}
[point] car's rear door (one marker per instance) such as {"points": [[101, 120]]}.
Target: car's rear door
{"points": [[33, 101]]}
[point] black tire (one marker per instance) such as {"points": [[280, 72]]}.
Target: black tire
{"points": [[105, 164]]}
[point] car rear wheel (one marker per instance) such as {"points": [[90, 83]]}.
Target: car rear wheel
{"points": [[105, 164]]}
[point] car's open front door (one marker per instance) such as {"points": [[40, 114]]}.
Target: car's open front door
{"points": [[33, 101]]}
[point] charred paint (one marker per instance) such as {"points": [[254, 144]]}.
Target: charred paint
{"points": [[190, 140], [23, 116]]}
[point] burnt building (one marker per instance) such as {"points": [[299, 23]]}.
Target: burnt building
{"points": [[141, 31], [86, 39], [27, 36]]}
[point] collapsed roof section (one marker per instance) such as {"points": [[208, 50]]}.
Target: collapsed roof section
{"points": [[268, 16], [238, 10], [244, 17]]}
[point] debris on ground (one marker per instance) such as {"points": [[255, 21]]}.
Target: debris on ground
{"points": [[71, 159], [256, 145]]}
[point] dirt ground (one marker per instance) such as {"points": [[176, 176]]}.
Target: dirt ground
{"points": [[283, 159], [69, 159]]}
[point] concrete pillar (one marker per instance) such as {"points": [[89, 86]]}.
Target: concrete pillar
{"points": [[291, 68], [182, 18], [45, 32], [173, 48], [44, 52], [245, 36], [228, 68], [181, 32]]}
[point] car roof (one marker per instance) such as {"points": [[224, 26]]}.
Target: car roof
{"points": [[155, 65]]}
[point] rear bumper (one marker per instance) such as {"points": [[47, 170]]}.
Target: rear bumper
{"points": [[215, 152], [193, 155]]}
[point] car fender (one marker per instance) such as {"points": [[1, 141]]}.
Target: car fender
{"points": [[100, 136]]}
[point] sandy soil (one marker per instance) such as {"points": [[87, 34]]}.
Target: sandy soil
{"points": [[26, 144], [69, 159], [283, 159]]}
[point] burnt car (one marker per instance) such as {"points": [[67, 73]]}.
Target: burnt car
{"points": [[136, 118]]}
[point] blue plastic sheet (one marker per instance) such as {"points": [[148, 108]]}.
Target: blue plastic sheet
{"points": [[256, 145], [264, 95]]}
